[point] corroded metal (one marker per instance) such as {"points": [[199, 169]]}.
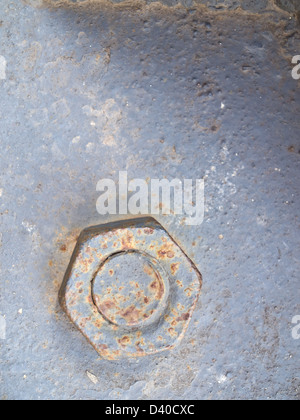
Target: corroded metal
{"points": [[130, 289]]}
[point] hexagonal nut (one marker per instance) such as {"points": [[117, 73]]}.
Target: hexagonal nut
{"points": [[130, 289]]}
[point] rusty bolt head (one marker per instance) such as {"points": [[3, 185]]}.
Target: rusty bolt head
{"points": [[130, 289]]}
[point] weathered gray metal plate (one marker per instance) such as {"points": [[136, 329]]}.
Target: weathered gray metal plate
{"points": [[161, 92]]}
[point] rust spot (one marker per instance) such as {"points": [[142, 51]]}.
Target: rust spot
{"points": [[72, 302], [183, 317], [166, 251], [128, 240], [148, 231], [139, 349], [103, 347], [83, 264], [89, 300], [124, 341], [189, 291], [154, 284], [98, 323], [180, 307], [157, 286], [146, 300], [107, 306], [174, 268], [172, 332], [111, 272], [148, 269], [84, 322], [131, 315], [291, 149], [97, 337], [174, 312]]}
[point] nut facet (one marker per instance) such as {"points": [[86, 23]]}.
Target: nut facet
{"points": [[130, 289]]}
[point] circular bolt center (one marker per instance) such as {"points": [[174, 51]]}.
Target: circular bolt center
{"points": [[129, 289]]}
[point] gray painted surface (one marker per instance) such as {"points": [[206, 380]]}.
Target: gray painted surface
{"points": [[288, 5], [88, 91]]}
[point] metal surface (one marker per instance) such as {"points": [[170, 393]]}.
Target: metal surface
{"points": [[87, 91], [289, 5], [130, 289]]}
